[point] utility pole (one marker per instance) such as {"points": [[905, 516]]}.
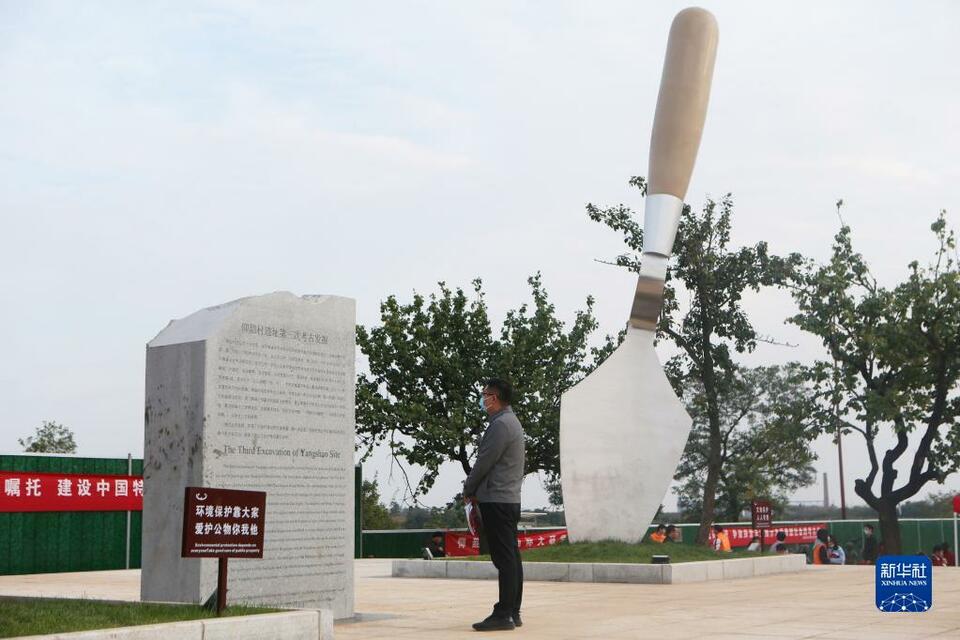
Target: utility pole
{"points": [[836, 405], [836, 419]]}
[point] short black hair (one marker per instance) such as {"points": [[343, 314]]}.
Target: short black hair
{"points": [[671, 528], [501, 387], [717, 528], [822, 535], [661, 526], [868, 526], [781, 535]]}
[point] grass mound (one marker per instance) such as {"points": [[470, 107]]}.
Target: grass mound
{"points": [[622, 552], [23, 617]]}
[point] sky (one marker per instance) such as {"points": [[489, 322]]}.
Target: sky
{"points": [[158, 158]]}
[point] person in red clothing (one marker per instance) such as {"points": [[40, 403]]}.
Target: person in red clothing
{"points": [[948, 555], [937, 558]]}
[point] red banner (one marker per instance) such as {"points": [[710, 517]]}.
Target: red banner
{"points": [[456, 543], [29, 491], [740, 536]]}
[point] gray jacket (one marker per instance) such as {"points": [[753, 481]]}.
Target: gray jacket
{"points": [[497, 474]]}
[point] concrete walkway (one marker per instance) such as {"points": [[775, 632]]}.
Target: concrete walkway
{"points": [[823, 603]]}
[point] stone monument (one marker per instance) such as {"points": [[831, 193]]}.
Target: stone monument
{"points": [[255, 394]]}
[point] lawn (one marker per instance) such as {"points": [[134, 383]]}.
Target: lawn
{"points": [[21, 617], [624, 552]]}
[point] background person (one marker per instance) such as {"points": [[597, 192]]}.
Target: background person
{"points": [[937, 558], [674, 534], [820, 553], [659, 535], [721, 541], [779, 545], [835, 551], [948, 555], [869, 553], [754, 544], [494, 484], [436, 546]]}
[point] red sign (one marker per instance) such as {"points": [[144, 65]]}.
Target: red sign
{"points": [[456, 543], [29, 491], [223, 523], [956, 504], [740, 536], [761, 514]]}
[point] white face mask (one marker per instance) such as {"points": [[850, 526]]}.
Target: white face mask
{"points": [[483, 403]]}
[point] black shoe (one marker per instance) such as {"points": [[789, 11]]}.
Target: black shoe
{"points": [[495, 623], [517, 622]]}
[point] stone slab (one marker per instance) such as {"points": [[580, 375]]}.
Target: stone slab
{"points": [[742, 568], [288, 625], [680, 573], [547, 571], [295, 625], [714, 571], [684, 572], [580, 572], [469, 570], [628, 573], [255, 394]]}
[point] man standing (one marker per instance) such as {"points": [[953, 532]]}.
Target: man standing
{"points": [[494, 483], [869, 553]]}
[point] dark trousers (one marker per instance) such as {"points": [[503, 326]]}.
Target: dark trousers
{"points": [[500, 530]]}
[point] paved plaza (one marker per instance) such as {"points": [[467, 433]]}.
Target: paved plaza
{"points": [[821, 602]]}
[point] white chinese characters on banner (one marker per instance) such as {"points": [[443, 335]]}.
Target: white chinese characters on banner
{"points": [[27, 491], [908, 570], [33, 487]]}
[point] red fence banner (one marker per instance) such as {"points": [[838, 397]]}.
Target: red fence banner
{"points": [[796, 534], [456, 543], [33, 491]]}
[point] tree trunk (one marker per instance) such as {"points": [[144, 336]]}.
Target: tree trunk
{"points": [[709, 501], [889, 527]]}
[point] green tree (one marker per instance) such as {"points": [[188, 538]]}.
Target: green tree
{"points": [[894, 366], [428, 358], [713, 278], [936, 505], [50, 437], [373, 513], [765, 431]]}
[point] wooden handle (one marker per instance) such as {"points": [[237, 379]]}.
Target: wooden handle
{"points": [[682, 104]]}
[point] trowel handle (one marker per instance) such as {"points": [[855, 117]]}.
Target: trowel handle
{"points": [[682, 104]]}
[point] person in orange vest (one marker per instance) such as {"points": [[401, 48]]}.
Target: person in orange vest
{"points": [[660, 535], [820, 553], [721, 541]]}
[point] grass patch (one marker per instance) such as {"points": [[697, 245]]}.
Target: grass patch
{"points": [[22, 617], [621, 552]]}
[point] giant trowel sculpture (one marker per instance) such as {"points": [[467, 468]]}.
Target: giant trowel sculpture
{"points": [[622, 429]]}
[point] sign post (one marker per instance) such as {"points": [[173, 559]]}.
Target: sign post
{"points": [[223, 523], [762, 516]]}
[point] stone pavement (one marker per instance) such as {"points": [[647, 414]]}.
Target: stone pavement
{"points": [[822, 602]]}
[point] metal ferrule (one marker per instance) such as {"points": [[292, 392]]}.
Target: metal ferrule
{"points": [[660, 221]]}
